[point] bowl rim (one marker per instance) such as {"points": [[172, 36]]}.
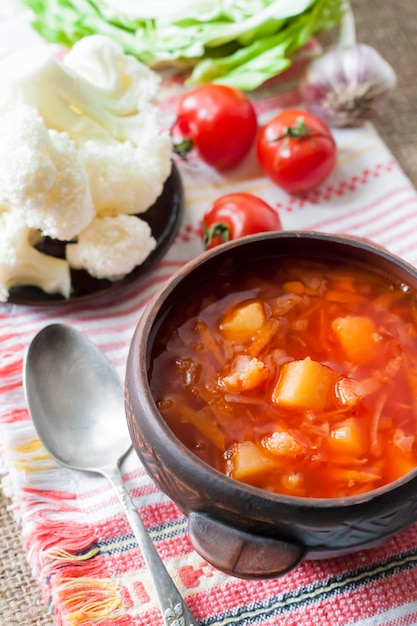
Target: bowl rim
{"points": [[140, 350]]}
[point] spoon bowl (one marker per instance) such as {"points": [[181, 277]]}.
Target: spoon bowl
{"points": [[76, 402]]}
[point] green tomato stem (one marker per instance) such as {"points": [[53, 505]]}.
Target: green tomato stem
{"points": [[298, 131], [182, 148], [215, 230]]}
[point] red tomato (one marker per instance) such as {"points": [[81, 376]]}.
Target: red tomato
{"points": [[296, 150], [219, 121], [236, 215]]}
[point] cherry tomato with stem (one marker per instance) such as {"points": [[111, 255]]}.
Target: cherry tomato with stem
{"points": [[296, 150], [219, 122], [236, 215]]}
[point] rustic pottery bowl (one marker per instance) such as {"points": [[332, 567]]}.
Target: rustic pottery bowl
{"points": [[242, 530]]}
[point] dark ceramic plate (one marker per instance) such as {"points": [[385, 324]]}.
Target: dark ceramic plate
{"points": [[164, 218]]}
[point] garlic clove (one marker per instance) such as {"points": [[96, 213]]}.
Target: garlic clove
{"points": [[346, 85]]}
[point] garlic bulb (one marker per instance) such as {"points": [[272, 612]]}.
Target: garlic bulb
{"points": [[345, 86]]}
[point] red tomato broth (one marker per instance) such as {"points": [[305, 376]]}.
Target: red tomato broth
{"points": [[261, 377]]}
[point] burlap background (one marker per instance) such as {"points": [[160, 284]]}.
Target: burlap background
{"points": [[391, 27]]}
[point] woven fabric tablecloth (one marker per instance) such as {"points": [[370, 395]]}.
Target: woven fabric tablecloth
{"points": [[66, 547]]}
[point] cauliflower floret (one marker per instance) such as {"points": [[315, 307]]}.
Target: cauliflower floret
{"points": [[127, 178], [105, 109], [82, 150], [102, 61], [103, 98], [110, 247], [21, 264], [42, 176]]}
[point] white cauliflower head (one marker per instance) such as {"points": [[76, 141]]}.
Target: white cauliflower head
{"points": [[42, 176], [101, 97], [22, 264], [126, 178], [111, 247], [102, 62], [81, 150]]}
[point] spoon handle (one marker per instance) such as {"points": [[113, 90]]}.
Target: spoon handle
{"points": [[172, 605]]}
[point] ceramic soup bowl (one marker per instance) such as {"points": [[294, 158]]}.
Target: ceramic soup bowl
{"points": [[239, 528]]}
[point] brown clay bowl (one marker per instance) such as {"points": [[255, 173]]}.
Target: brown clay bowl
{"points": [[242, 530]]}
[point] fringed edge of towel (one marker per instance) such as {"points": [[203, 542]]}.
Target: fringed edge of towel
{"points": [[74, 578]]}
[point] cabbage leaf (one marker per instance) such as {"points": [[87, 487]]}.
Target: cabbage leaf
{"points": [[241, 43]]}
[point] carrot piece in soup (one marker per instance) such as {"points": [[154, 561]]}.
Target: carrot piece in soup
{"points": [[209, 342], [203, 422], [349, 437], [248, 462], [412, 381], [243, 322], [264, 336], [354, 477], [398, 463], [343, 297], [294, 287], [303, 385], [358, 337]]}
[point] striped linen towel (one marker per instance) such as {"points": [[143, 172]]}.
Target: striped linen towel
{"points": [[78, 542]]}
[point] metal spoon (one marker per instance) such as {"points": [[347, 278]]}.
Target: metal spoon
{"points": [[75, 398]]}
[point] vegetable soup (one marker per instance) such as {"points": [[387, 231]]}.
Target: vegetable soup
{"points": [[296, 377]]}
